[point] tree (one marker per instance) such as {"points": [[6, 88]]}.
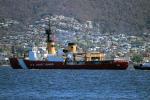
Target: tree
{"points": [[1, 50], [137, 58], [147, 22]]}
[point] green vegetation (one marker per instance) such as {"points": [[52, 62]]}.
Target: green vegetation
{"points": [[147, 23], [137, 58], [1, 50]]}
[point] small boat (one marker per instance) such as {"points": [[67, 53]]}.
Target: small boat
{"points": [[144, 66]]}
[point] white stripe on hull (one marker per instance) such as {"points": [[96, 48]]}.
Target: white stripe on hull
{"points": [[22, 64]]}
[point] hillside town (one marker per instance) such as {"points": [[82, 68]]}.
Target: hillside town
{"points": [[87, 35]]}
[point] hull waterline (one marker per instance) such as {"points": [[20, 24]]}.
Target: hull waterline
{"points": [[27, 64], [141, 67]]}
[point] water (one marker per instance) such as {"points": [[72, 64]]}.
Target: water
{"points": [[74, 84]]}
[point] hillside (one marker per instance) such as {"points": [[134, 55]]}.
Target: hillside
{"points": [[130, 16]]}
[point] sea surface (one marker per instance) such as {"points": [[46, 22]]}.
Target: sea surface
{"points": [[74, 84]]}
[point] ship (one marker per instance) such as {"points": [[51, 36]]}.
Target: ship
{"points": [[67, 58], [143, 66]]}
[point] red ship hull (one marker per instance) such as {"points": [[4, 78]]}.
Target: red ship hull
{"points": [[110, 64]]}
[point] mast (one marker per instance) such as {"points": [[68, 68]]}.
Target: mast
{"points": [[49, 31], [50, 41]]}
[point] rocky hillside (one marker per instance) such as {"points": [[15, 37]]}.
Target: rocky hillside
{"points": [[132, 16]]}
